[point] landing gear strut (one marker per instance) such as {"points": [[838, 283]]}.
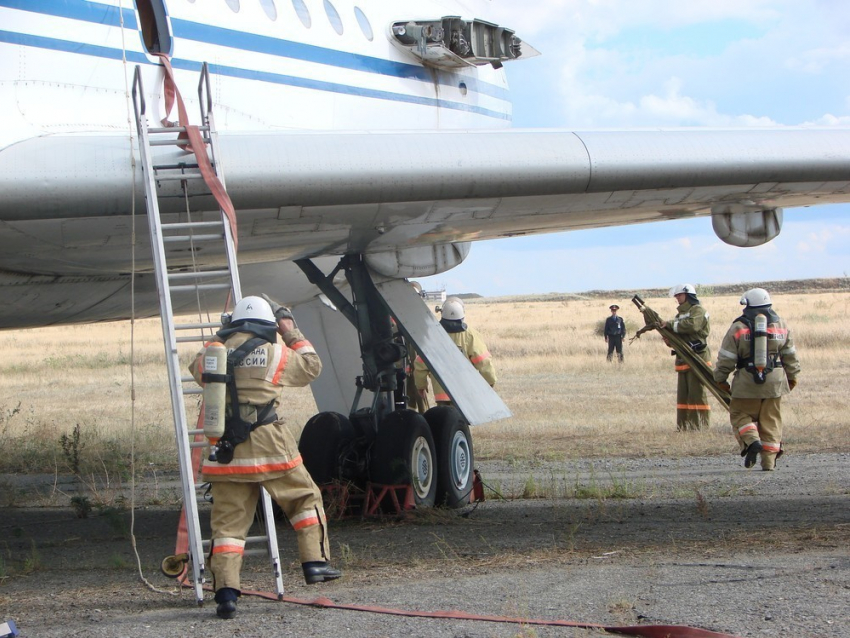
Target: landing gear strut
{"points": [[384, 442]]}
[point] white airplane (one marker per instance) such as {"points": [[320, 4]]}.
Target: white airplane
{"points": [[366, 137]]}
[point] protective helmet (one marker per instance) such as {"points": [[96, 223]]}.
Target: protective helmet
{"points": [[453, 309], [683, 289], [755, 297], [254, 309]]}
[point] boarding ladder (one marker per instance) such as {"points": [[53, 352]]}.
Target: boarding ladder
{"points": [[182, 283]]}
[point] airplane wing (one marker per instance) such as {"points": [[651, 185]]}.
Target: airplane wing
{"points": [[408, 200]]}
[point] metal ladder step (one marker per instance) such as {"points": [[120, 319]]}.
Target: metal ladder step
{"points": [[184, 225], [187, 238], [203, 274], [178, 178]]}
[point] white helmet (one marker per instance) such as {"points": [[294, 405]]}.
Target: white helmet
{"points": [[682, 289], [253, 309], [452, 308], [755, 297]]}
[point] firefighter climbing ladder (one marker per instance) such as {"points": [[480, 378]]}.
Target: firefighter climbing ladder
{"points": [[180, 282]]}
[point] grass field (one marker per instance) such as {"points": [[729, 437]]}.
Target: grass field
{"points": [[80, 398]]}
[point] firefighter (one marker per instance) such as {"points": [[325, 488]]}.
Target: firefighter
{"points": [[692, 323], [470, 343], [257, 449], [615, 330], [759, 349]]}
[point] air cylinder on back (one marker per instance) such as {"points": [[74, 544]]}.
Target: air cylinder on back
{"points": [[215, 391]]}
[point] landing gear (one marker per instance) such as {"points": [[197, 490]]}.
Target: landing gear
{"points": [[384, 443], [404, 454], [322, 446], [454, 455]]}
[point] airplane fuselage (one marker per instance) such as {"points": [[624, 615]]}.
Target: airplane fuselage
{"points": [[326, 66]]}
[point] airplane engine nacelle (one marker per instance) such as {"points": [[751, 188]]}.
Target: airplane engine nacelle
{"points": [[418, 261], [746, 225]]}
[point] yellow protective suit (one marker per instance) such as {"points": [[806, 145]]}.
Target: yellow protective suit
{"points": [[269, 458]]}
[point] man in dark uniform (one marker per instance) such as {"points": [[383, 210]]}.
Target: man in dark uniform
{"points": [[615, 330]]}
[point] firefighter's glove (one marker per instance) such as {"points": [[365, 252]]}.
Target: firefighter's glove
{"points": [[280, 312], [724, 386], [792, 383]]}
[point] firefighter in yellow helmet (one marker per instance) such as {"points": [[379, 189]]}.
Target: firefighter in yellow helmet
{"points": [[257, 449], [759, 351], [692, 323], [470, 343]]}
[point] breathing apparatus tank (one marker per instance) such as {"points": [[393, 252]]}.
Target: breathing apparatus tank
{"points": [[215, 392], [759, 348]]}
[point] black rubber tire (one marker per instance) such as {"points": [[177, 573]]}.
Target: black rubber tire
{"points": [[403, 454], [455, 455], [320, 444]]}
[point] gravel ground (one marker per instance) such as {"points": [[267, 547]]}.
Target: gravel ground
{"points": [[696, 541]]}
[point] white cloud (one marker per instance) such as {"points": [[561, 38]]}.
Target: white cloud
{"points": [[757, 78], [823, 240]]}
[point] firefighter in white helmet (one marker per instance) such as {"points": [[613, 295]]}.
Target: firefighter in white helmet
{"points": [[692, 322], [759, 351], [257, 449], [470, 343]]}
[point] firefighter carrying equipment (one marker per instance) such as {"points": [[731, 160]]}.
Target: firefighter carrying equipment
{"points": [[697, 364]]}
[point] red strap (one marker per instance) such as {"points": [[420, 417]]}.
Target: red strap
{"points": [[196, 143], [643, 631], [182, 544]]}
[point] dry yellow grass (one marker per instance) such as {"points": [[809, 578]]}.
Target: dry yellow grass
{"points": [[567, 400]]}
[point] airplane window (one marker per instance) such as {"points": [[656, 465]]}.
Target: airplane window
{"points": [[233, 4], [303, 12], [333, 16], [269, 8], [363, 21]]}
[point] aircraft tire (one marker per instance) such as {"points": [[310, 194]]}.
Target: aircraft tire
{"points": [[455, 456], [403, 454], [321, 440]]}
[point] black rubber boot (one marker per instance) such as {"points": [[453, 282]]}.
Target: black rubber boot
{"points": [[319, 572], [226, 599], [751, 454]]}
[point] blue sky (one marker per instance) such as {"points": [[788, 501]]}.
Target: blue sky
{"points": [[618, 64]]}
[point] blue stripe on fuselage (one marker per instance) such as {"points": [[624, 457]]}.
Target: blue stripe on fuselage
{"points": [[55, 44], [86, 11], [108, 15], [321, 55]]}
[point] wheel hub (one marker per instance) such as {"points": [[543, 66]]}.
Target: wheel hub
{"points": [[460, 460], [423, 467]]}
